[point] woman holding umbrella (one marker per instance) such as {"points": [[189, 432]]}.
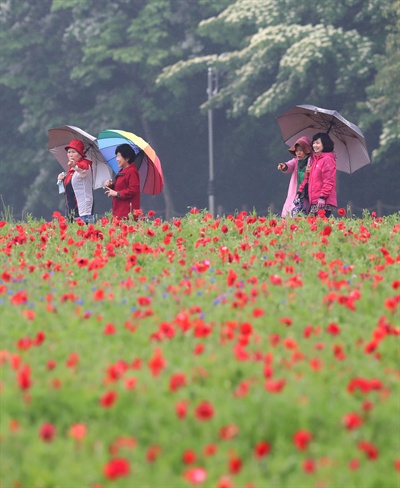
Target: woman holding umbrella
{"points": [[78, 183], [322, 177], [301, 150], [125, 188]]}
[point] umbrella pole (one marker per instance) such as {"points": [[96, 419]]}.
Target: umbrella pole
{"points": [[211, 202]]}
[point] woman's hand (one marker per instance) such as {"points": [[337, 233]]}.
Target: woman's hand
{"points": [[282, 167], [60, 176], [111, 193]]}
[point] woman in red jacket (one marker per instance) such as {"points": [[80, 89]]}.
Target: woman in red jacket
{"points": [[322, 176], [125, 188]]}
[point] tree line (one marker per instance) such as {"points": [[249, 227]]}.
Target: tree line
{"points": [[141, 66]]}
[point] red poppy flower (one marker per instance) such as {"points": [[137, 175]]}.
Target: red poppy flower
{"points": [[326, 231], [181, 409], [51, 364], [352, 421], [231, 278], [122, 442], [20, 298], [333, 329], [210, 450], [73, 360], [189, 456], [235, 464], [82, 262], [228, 432], [369, 449], [177, 380], [275, 280], [196, 476], [258, 312], [261, 449], [24, 378], [341, 212], [246, 329], [47, 432], [24, 343], [225, 482], [301, 439], [98, 295], [275, 386], [157, 363], [109, 329], [78, 431], [152, 453], [198, 349], [354, 464], [204, 411], [116, 468], [108, 399], [309, 466]]}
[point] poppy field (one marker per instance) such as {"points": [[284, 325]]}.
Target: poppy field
{"points": [[243, 351]]}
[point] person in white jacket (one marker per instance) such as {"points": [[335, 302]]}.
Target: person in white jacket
{"points": [[78, 183]]}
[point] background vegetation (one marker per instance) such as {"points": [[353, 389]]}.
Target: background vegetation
{"points": [[141, 66]]}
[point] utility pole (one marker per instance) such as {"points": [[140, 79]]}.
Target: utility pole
{"points": [[212, 88]]}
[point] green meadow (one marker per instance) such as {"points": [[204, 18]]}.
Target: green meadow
{"points": [[243, 351]]}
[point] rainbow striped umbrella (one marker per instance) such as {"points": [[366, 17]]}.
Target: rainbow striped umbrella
{"points": [[147, 163]]}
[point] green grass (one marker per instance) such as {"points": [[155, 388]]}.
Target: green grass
{"points": [[234, 310]]}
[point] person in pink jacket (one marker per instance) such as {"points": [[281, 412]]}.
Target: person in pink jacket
{"points": [[297, 167], [321, 179]]}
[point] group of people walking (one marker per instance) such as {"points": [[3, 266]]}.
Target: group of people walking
{"points": [[77, 183], [312, 187]]}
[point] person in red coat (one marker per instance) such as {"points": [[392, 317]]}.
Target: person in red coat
{"points": [[125, 188]]}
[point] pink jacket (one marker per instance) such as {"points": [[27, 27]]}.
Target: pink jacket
{"points": [[292, 190], [292, 167], [322, 179]]}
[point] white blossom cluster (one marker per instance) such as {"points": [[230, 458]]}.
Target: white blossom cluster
{"points": [[279, 49]]}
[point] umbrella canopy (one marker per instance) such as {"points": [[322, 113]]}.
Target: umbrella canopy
{"points": [[307, 120], [61, 136], [149, 166]]}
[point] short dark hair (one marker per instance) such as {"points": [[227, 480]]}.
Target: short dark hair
{"points": [[327, 143], [126, 151]]}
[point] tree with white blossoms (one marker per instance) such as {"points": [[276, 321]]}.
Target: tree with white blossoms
{"points": [[281, 53], [384, 94]]}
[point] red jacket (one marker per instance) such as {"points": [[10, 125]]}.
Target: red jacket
{"points": [[322, 179], [127, 184]]}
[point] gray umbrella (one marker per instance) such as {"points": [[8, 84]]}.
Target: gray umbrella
{"points": [[307, 120]]}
